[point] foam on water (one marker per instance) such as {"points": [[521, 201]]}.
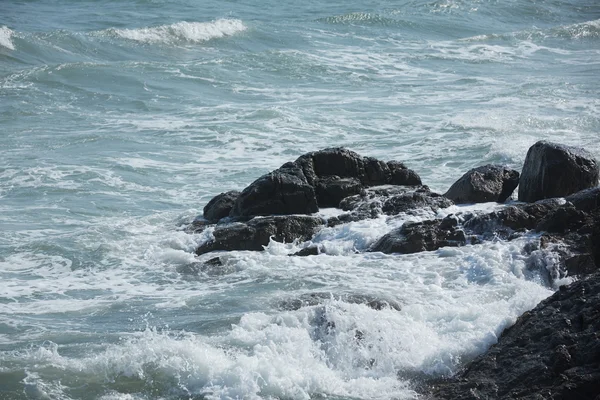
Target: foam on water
{"points": [[193, 32], [455, 302], [5, 38]]}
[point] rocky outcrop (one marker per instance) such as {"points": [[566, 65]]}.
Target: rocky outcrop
{"points": [[317, 179], [256, 233], [422, 236], [555, 170], [484, 184], [552, 352], [220, 206]]}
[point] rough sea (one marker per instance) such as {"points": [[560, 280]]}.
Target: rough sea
{"points": [[119, 120]]}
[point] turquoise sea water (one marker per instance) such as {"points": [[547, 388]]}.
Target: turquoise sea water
{"points": [[119, 120]]}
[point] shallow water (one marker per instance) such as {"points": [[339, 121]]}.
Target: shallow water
{"points": [[121, 119]]}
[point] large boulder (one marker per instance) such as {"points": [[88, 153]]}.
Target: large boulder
{"points": [[256, 233], [220, 206], [282, 192], [556, 170], [484, 184], [422, 236], [552, 352]]}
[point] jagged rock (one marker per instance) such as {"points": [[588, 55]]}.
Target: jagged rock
{"points": [[505, 222], [284, 191], [313, 299], [402, 175], [390, 200], [415, 200], [484, 184], [422, 236], [377, 172], [220, 206], [552, 352], [331, 190], [257, 232], [555, 170]]}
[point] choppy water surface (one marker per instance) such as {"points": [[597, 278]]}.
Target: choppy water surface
{"points": [[121, 119]]}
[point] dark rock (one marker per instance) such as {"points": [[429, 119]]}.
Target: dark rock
{"points": [[377, 172], [518, 218], [198, 225], [552, 352], [307, 251], [585, 200], [391, 200], [220, 206], [282, 192], [422, 236], [333, 161], [257, 232], [555, 170], [484, 184], [314, 299], [212, 267], [331, 190], [402, 175], [415, 200], [348, 164]]}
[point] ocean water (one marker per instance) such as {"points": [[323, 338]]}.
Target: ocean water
{"points": [[119, 120]]}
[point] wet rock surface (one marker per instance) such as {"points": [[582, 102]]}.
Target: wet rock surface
{"points": [[256, 233], [552, 352], [220, 206], [422, 236], [316, 298], [484, 184], [555, 170], [282, 192]]}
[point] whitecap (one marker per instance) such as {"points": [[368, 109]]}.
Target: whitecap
{"points": [[5, 35], [194, 32]]}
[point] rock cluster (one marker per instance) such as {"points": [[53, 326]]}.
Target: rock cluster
{"points": [[551, 352]]}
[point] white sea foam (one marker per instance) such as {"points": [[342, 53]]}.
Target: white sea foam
{"points": [[5, 38], [455, 302], [194, 32]]}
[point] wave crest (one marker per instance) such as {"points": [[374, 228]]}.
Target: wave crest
{"points": [[5, 35], [194, 32]]}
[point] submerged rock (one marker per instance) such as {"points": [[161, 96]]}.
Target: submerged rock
{"points": [[484, 184], [316, 298], [555, 170], [422, 236], [256, 233], [552, 352]]}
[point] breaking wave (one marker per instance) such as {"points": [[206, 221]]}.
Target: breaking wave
{"points": [[194, 32], [5, 35]]}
